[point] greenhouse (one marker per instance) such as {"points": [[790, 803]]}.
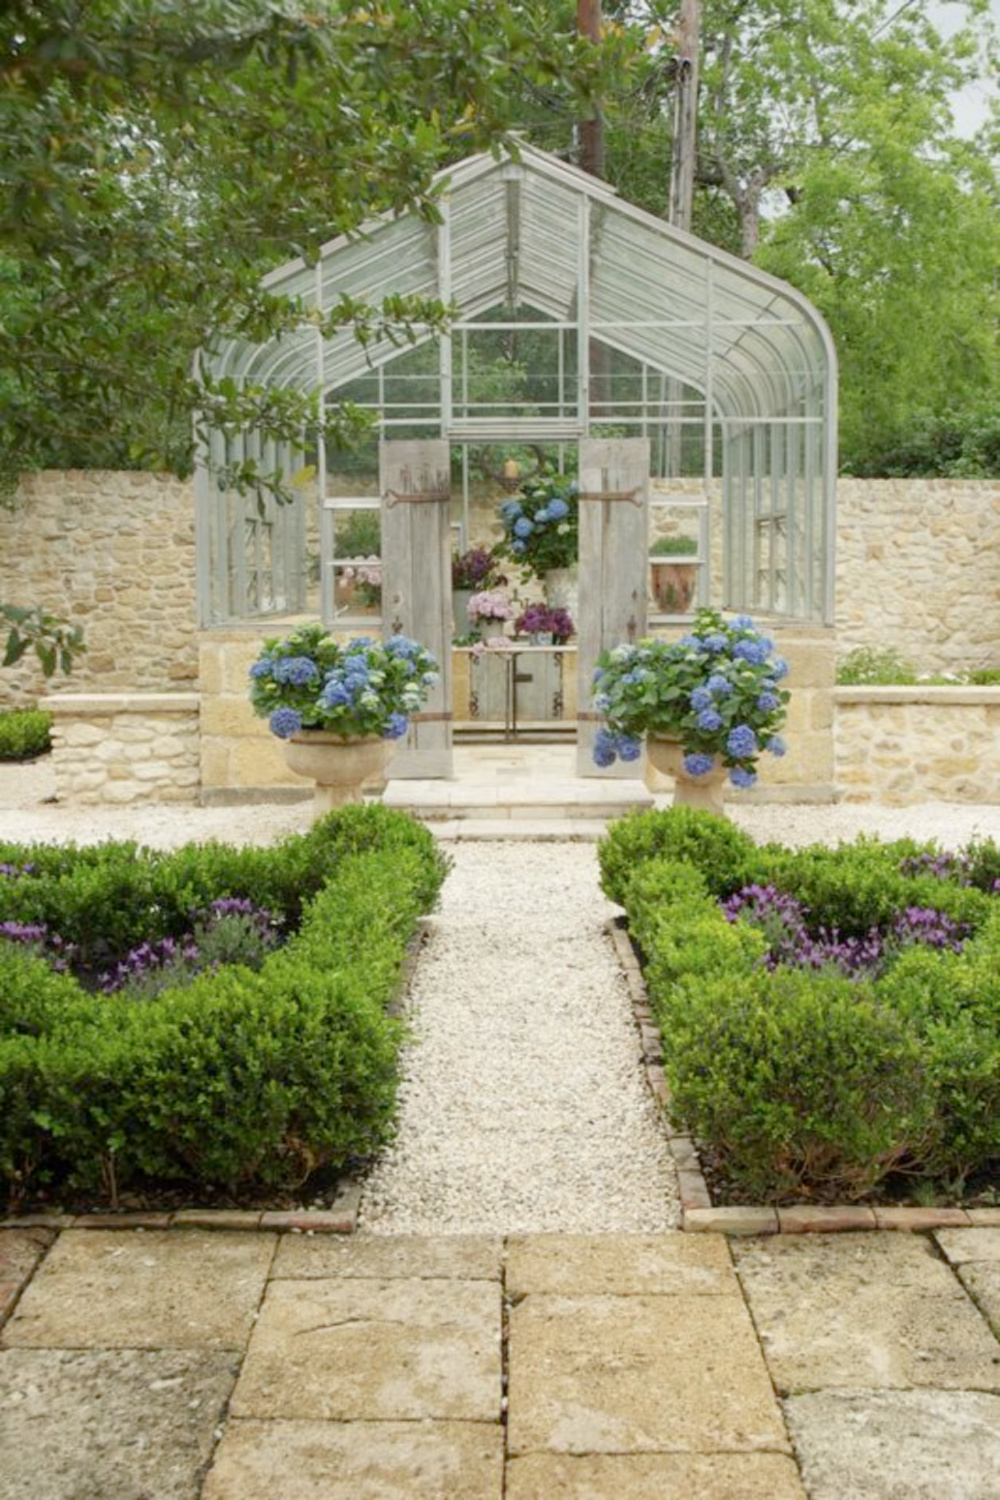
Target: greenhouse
{"points": [[588, 338]]}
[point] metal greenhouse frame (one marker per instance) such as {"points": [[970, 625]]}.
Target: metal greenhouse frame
{"points": [[610, 323]]}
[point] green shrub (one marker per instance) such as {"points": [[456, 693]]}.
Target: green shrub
{"points": [[725, 856], [24, 733], [241, 1078], [864, 666], [800, 1080]]}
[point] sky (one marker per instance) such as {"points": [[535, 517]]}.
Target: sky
{"points": [[972, 104]]}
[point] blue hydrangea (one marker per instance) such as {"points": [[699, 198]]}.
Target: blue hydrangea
{"points": [[701, 698], [767, 702], [558, 509], [743, 622], [602, 703], [260, 669], [523, 527], [356, 665], [542, 517], [691, 642], [741, 742], [754, 652], [710, 720], [509, 509], [716, 641], [395, 727], [605, 752], [779, 667], [335, 694], [285, 722], [776, 745], [719, 686], [698, 764], [401, 645], [627, 747], [518, 546], [739, 776], [297, 671]]}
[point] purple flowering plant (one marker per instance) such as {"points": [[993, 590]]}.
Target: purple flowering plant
{"points": [[539, 619], [359, 688], [476, 569], [717, 689]]}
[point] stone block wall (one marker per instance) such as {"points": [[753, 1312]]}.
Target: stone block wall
{"points": [[115, 553], [125, 748], [918, 744], [918, 570]]}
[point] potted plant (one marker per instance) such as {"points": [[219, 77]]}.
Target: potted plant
{"points": [[545, 626], [708, 704], [472, 572], [489, 610], [336, 705], [541, 533], [673, 583]]}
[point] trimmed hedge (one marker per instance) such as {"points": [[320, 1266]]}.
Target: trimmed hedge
{"points": [[241, 1079], [25, 733], [808, 1082]]}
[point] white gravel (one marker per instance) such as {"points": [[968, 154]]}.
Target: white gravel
{"points": [[523, 1108]]}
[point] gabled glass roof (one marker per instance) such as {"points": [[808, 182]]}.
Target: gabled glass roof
{"points": [[542, 233]]}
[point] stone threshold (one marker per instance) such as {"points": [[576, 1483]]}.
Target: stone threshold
{"points": [[700, 1216]]}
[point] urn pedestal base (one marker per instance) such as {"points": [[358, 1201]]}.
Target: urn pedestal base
{"points": [[343, 768], [666, 757]]}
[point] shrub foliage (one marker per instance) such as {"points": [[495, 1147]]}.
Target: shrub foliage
{"points": [[240, 1078], [834, 1022]]}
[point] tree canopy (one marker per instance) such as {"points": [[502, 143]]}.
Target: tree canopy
{"points": [[157, 156]]}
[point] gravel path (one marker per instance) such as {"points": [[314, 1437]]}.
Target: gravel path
{"points": [[523, 1108]]}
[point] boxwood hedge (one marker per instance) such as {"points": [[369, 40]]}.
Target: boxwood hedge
{"points": [[818, 1080], [242, 1079]]}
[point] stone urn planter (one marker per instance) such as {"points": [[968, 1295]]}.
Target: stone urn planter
{"points": [[665, 757], [342, 767]]}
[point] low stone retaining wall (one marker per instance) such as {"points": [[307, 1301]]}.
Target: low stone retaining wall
{"points": [[903, 745], [125, 747]]}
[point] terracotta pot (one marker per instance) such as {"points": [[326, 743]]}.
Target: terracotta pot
{"points": [[665, 757], [340, 765], [674, 585]]}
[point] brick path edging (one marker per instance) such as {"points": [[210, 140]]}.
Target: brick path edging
{"points": [[699, 1216]]}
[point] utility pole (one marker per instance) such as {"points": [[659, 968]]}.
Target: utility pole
{"points": [[682, 156], [682, 165], [588, 23]]}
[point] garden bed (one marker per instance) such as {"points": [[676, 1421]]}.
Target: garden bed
{"points": [[208, 1027], [830, 1019]]}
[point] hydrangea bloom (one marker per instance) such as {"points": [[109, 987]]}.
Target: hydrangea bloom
{"points": [[719, 686], [710, 719], [741, 742], [285, 722], [604, 751], [296, 670], [701, 698], [699, 764], [741, 777], [395, 726], [628, 748]]}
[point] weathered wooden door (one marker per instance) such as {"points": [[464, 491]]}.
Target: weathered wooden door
{"points": [[614, 547], [415, 482]]}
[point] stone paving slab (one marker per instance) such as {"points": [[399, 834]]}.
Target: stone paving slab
{"points": [[654, 1476], [568, 1264], [109, 1424], [897, 1445], [382, 1350], [860, 1311], [386, 1257], [358, 1461], [960, 1245], [638, 1374], [20, 1252], [981, 1280], [129, 1289]]}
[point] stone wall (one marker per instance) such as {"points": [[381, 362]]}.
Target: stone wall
{"points": [[114, 553], [917, 744], [124, 748], [918, 570]]}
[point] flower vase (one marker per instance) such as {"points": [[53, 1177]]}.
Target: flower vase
{"points": [[665, 757], [460, 610], [340, 765], [488, 626], [562, 590]]}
